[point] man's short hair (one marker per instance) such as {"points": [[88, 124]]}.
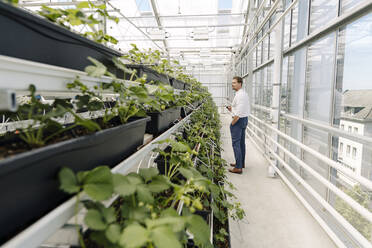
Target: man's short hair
{"points": [[239, 79]]}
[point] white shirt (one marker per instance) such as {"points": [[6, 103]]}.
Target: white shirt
{"points": [[240, 105]]}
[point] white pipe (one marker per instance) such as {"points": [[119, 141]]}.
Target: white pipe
{"points": [[320, 156], [360, 209], [360, 238]]}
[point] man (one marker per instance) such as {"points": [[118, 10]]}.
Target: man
{"points": [[240, 110]]}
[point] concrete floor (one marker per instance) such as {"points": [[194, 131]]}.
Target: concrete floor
{"points": [[274, 216]]}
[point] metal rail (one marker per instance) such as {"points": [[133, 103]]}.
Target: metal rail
{"points": [[309, 208], [355, 233], [362, 180]]}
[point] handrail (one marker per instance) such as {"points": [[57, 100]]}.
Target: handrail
{"points": [[316, 216], [360, 209], [328, 161], [332, 130]]}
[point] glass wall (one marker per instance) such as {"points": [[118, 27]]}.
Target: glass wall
{"points": [[325, 80], [322, 12], [319, 79]]}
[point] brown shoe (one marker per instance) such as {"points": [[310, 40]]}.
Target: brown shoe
{"points": [[233, 165], [236, 170]]}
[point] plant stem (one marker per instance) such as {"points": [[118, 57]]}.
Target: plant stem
{"points": [[81, 240]]}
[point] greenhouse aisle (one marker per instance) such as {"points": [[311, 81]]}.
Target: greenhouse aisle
{"points": [[274, 216]]}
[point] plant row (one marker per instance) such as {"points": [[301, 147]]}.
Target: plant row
{"points": [[32, 155], [167, 206]]}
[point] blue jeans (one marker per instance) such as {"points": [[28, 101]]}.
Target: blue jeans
{"points": [[238, 140]]}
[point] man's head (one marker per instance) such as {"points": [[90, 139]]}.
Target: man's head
{"points": [[237, 83]]}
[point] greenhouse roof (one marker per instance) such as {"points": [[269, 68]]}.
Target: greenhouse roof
{"points": [[198, 33]]}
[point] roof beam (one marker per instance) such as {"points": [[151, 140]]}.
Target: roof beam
{"points": [[156, 14], [26, 4], [246, 23], [198, 26], [134, 25], [185, 16]]}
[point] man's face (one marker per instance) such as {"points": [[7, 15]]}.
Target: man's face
{"points": [[235, 85]]}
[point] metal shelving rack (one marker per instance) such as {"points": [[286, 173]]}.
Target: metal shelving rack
{"points": [[15, 77]]}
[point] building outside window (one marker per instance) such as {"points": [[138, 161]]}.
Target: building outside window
{"points": [[355, 130], [354, 153], [348, 150], [349, 129]]}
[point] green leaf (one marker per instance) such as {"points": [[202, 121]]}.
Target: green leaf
{"points": [[98, 70], [180, 147], [68, 181], [148, 173], [94, 220], [98, 183], [122, 185], [199, 228], [144, 194], [158, 184], [113, 233], [134, 178], [83, 5], [164, 237], [109, 214], [185, 172], [134, 236]]}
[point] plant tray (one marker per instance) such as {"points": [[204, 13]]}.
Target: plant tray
{"points": [[163, 120], [29, 185], [47, 42], [177, 84], [152, 75]]}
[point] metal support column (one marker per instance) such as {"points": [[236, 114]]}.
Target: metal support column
{"points": [[277, 72]]}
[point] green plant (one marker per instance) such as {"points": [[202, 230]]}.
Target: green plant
{"points": [[44, 123], [142, 220], [77, 17], [352, 216]]}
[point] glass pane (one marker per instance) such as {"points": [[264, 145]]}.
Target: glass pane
{"points": [[265, 50], [322, 11], [353, 94], [349, 4], [254, 58], [286, 31], [294, 129], [319, 78], [299, 21], [296, 83], [318, 140], [283, 87], [269, 85], [264, 83], [352, 113], [259, 54], [271, 45]]}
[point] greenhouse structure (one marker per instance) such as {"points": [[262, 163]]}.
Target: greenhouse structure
{"points": [[185, 123]]}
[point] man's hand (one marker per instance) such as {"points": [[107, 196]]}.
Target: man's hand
{"points": [[235, 120], [229, 108]]}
